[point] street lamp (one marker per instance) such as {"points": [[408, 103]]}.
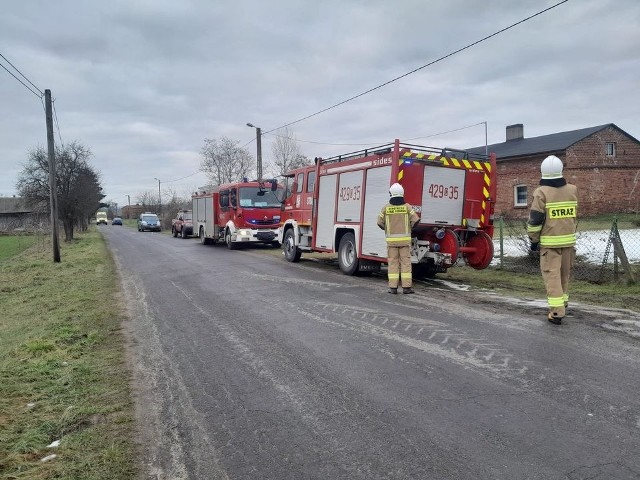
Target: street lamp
{"points": [[259, 143], [159, 198]]}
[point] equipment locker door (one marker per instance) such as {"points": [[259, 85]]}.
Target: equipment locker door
{"points": [[326, 211], [442, 195], [376, 197]]}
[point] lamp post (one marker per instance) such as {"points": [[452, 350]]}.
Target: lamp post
{"points": [[259, 144], [159, 198], [129, 210]]}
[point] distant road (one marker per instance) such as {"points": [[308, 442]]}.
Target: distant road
{"points": [[248, 367]]}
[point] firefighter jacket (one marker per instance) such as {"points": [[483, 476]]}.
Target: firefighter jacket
{"points": [[397, 220], [553, 215]]}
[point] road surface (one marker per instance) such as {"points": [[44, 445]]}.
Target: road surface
{"points": [[249, 367]]}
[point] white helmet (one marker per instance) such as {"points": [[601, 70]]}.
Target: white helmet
{"points": [[551, 168], [396, 190]]}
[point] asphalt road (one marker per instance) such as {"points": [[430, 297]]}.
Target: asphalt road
{"points": [[249, 367]]}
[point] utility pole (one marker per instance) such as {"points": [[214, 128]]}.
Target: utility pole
{"points": [[259, 144], [129, 210], [53, 193], [159, 198]]}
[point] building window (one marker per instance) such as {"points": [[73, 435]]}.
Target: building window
{"points": [[610, 149], [520, 196]]}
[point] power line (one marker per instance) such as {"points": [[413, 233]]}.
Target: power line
{"points": [[443, 133], [380, 142], [55, 116], [420, 68], [23, 76], [182, 178], [39, 95]]}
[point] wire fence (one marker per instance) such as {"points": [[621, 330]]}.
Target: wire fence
{"points": [[606, 252]]}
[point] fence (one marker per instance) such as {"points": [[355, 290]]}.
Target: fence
{"points": [[603, 255]]}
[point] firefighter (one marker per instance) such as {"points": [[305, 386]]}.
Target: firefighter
{"points": [[397, 218], [552, 227]]}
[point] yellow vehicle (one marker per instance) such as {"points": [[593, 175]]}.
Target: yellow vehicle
{"points": [[101, 217]]}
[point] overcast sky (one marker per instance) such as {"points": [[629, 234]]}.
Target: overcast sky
{"points": [[142, 83]]}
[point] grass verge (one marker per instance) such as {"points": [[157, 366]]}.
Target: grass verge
{"points": [[525, 285], [61, 366]]}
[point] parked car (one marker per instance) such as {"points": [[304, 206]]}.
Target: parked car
{"points": [[116, 221], [182, 225], [149, 221]]}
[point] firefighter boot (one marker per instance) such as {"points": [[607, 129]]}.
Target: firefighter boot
{"points": [[393, 290], [554, 318], [407, 290]]}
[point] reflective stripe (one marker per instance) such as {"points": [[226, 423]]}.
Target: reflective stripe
{"points": [[565, 297], [568, 203], [398, 239], [394, 275], [534, 228], [555, 301], [406, 276], [557, 240]]}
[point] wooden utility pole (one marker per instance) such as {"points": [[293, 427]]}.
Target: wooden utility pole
{"points": [[53, 193], [259, 142]]}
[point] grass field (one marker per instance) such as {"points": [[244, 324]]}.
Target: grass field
{"points": [[63, 374], [10, 245]]}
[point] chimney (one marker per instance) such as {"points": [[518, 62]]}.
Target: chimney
{"points": [[515, 132]]}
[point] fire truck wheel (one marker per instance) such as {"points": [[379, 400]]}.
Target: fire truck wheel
{"points": [[183, 234], [231, 245], [174, 232], [291, 252], [347, 257]]}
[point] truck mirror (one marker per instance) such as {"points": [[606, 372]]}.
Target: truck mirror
{"points": [[274, 185]]}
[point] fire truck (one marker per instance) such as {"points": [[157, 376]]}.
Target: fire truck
{"points": [[333, 207], [238, 213]]}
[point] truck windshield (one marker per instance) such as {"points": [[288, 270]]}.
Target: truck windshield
{"points": [[253, 197]]}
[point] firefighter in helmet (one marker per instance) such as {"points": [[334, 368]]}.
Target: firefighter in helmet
{"points": [[397, 218], [552, 230]]}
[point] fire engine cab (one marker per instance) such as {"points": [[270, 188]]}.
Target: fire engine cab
{"points": [[333, 207], [237, 213]]}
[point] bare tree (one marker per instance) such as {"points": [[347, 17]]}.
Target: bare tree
{"points": [[286, 153], [78, 184], [224, 161], [148, 199]]}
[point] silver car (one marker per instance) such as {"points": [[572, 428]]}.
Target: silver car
{"points": [[149, 221]]}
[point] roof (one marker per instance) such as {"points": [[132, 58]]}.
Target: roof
{"points": [[14, 205], [543, 144]]}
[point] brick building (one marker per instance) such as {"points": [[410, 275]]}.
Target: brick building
{"points": [[133, 211], [603, 162]]}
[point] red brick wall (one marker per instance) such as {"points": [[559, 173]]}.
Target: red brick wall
{"points": [[605, 184]]}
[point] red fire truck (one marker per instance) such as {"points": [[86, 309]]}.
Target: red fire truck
{"points": [[333, 207], [237, 213]]}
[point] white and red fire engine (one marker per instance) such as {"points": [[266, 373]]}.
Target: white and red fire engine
{"points": [[237, 213], [333, 207]]}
